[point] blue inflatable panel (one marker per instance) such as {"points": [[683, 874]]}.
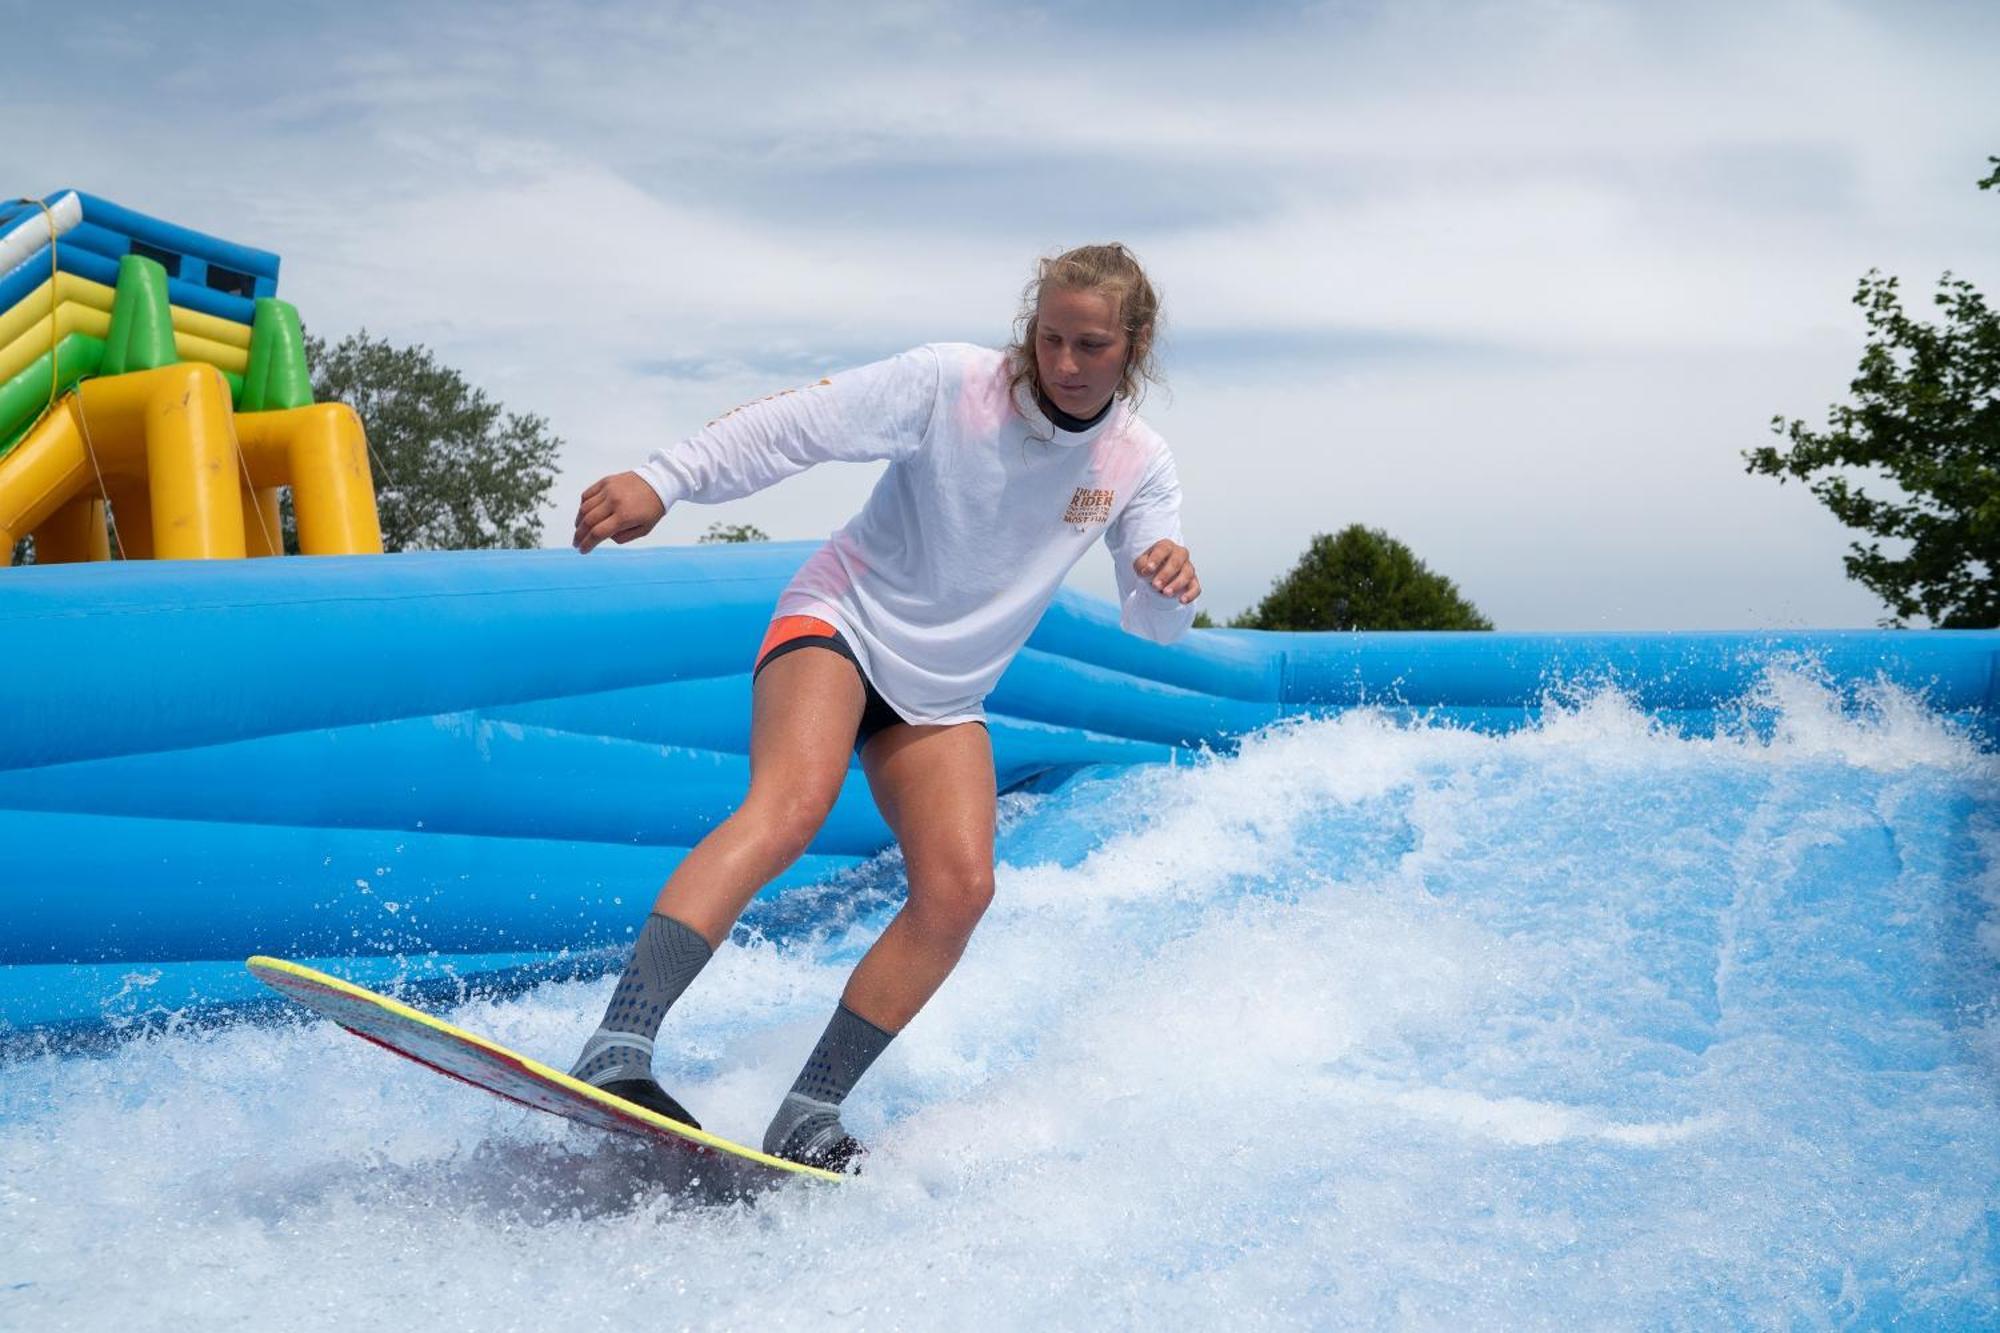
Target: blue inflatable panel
{"points": [[34, 271], [1955, 669], [75, 1002], [1044, 687], [464, 774], [505, 753], [438, 633], [714, 714], [99, 241], [1229, 664], [202, 261], [185, 240], [102, 888]]}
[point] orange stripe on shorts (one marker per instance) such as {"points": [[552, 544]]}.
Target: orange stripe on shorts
{"points": [[786, 628]]}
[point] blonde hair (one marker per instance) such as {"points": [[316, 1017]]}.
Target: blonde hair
{"points": [[1114, 271]]}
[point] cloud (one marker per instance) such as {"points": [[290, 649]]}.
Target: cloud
{"points": [[1517, 280]]}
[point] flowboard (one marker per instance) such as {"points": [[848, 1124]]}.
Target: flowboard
{"points": [[470, 1058]]}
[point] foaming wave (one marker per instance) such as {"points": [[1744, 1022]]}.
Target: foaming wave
{"points": [[1372, 1022]]}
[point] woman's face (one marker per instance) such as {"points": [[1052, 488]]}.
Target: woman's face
{"points": [[1080, 349]]}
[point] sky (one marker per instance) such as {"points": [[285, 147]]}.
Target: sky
{"points": [[1515, 282]]}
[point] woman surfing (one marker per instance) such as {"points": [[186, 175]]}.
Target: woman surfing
{"points": [[1005, 467]]}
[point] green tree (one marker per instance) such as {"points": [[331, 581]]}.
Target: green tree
{"points": [[733, 532], [1362, 578], [1925, 419], [454, 470]]}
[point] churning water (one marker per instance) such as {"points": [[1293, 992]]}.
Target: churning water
{"points": [[1372, 1024]]}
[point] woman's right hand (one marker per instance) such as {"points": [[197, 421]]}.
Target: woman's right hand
{"points": [[621, 506]]}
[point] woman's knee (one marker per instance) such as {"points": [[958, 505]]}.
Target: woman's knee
{"points": [[786, 820], [952, 903]]}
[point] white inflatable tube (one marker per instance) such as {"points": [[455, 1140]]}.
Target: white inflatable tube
{"points": [[31, 232]]}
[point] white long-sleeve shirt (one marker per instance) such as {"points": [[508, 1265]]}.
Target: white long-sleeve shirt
{"points": [[984, 508]]}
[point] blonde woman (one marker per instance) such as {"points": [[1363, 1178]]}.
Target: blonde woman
{"points": [[1005, 467]]}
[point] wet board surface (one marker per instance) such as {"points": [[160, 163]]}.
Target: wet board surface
{"points": [[470, 1058]]}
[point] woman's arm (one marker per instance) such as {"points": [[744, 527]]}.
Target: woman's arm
{"points": [[881, 410], [1157, 585]]}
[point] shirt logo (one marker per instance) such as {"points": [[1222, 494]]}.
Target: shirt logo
{"points": [[1088, 506], [820, 384]]}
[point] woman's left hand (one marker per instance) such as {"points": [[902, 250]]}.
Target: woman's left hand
{"points": [[1166, 565]]}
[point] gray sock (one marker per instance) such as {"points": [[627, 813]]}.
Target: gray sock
{"points": [[665, 959], [808, 1121]]}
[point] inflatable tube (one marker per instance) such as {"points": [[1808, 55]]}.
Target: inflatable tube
{"points": [[114, 231], [25, 230], [156, 232], [94, 321], [502, 754], [34, 271], [1955, 671], [24, 397], [96, 296], [417, 892]]}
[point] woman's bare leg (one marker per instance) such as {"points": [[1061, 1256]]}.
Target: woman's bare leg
{"points": [[804, 711], [805, 707], [935, 787]]}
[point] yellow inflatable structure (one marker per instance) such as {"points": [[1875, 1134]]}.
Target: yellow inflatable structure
{"points": [[126, 409], [189, 478]]}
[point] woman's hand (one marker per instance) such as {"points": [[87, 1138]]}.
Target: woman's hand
{"points": [[1166, 564], [621, 506]]}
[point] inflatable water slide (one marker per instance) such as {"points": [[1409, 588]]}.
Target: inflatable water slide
{"points": [[150, 372], [450, 764]]}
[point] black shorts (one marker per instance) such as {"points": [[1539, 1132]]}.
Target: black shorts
{"points": [[875, 710]]}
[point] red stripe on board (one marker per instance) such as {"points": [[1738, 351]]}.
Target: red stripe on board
{"points": [[638, 1126]]}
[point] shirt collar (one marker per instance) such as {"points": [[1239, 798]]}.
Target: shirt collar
{"points": [[1045, 428]]}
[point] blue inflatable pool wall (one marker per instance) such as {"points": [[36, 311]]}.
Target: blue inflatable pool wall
{"points": [[473, 760]]}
